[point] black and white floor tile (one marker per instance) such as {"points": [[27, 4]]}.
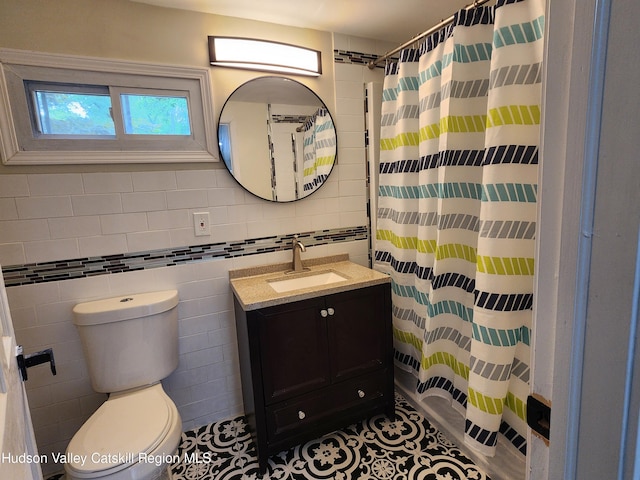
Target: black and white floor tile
{"points": [[406, 447]]}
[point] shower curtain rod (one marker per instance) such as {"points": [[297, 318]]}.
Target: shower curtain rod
{"points": [[372, 64]]}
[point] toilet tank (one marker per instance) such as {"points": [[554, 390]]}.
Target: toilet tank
{"points": [[129, 341]]}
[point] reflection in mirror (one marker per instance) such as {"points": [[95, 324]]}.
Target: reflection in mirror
{"points": [[277, 138]]}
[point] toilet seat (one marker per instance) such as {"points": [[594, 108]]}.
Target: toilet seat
{"points": [[124, 427]]}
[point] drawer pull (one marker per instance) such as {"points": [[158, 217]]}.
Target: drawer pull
{"points": [[330, 311], [361, 393], [324, 313], [301, 414]]}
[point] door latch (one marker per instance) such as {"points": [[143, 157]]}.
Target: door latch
{"points": [[539, 416], [37, 358]]}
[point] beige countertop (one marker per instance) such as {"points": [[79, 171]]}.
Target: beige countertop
{"points": [[251, 285]]}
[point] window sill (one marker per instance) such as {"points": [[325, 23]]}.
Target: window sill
{"points": [[88, 158]]}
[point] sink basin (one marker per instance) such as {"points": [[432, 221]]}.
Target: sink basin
{"points": [[306, 281]]}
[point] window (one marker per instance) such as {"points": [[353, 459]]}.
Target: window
{"points": [[224, 142], [70, 111], [155, 114], [78, 110], [86, 111]]}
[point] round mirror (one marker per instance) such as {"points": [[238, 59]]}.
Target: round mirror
{"points": [[277, 138]]}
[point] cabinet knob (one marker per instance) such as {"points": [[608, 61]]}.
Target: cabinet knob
{"points": [[323, 313], [301, 414], [361, 393], [330, 311]]}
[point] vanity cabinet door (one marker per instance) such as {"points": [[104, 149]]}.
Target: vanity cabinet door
{"points": [[359, 331], [293, 349]]}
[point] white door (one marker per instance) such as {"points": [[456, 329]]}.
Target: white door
{"points": [[283, 155], [18, 453], [372, 119]]}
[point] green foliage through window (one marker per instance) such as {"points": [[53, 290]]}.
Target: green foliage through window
{"points": [[62, 113], [78, 111], [155, 115]]}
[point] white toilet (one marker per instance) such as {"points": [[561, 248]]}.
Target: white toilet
{"points": [[130, 344]]}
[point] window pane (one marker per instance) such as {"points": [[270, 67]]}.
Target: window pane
{"points": [[224, 141], [67, 113], [155, 115]]}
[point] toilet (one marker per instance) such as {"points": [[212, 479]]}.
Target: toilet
{"points": [[130, 343]]}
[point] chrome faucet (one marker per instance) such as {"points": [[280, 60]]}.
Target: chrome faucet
{"points": [[297, 247]]}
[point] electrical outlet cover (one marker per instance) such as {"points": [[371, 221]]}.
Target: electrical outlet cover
{"points": [[201, 226]]}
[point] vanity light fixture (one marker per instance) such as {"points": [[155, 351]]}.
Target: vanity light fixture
{"points": [[264, 55]]}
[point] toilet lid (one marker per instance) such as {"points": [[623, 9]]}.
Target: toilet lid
{"points": [[120, 430]]}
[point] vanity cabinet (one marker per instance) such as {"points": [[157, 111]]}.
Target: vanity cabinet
{"points": [[315, 365]]}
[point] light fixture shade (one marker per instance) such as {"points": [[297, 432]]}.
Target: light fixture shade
{"points": [[264, 55]]}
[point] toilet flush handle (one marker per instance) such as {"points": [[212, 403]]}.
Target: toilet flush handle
{"points": [[26, 361]]}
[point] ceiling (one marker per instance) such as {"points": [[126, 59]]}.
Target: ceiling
{"points": [[392, 21]]}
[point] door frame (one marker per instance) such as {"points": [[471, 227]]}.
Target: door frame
{"points": [[582, 95], [557, 345], [15, 433]]}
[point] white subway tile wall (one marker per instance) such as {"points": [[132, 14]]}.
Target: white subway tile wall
{"points": [[51, 217]]}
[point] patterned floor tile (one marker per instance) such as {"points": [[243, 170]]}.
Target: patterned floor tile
{"points": [[407, 447]]}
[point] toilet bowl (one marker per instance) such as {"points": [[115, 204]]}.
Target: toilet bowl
{"points": [[130, 344], [133, 435]]}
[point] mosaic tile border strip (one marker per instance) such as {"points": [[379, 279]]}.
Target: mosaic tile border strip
{"points": [[290, 118], [54, 271], [356, 58]]}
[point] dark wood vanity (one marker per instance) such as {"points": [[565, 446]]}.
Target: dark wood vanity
{"points": [[314, 365]]}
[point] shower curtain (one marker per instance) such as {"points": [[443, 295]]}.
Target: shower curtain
{"points": [[456, 214], [319, 149]]}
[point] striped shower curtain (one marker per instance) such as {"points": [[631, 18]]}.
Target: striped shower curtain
{"points": [[457, 211], [319, 149]]}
